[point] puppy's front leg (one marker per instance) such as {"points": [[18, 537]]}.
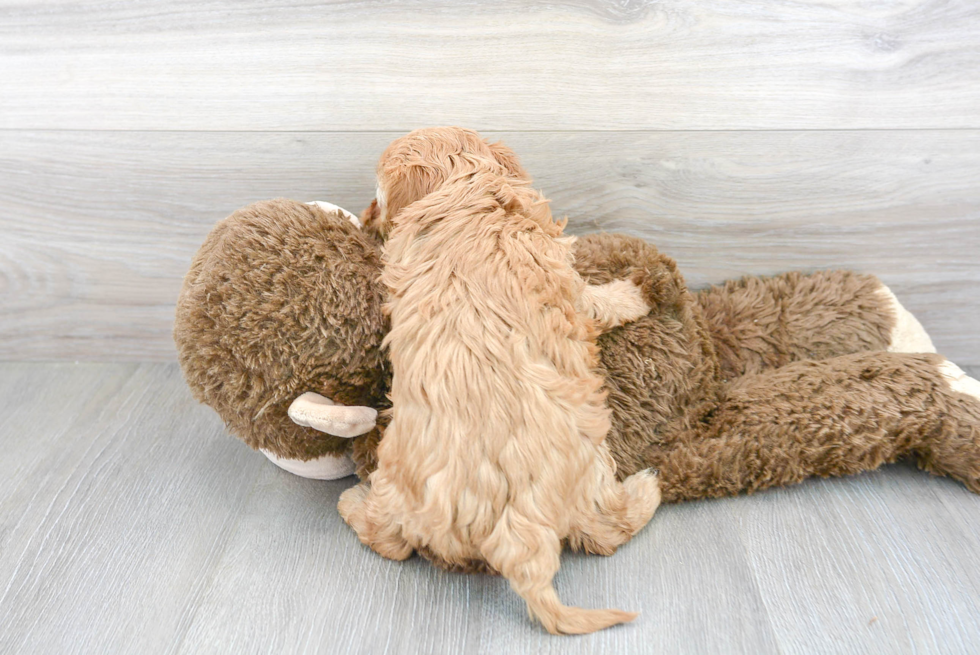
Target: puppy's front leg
{"points": [[613, 304]]}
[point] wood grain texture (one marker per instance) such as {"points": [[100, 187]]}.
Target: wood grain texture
{"points": [[99, 227], [112, 508], [575, 65], [129, 523], [868, 564]]}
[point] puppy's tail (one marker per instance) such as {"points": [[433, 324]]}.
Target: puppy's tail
{"points": [[528, 555], [562, 619]]}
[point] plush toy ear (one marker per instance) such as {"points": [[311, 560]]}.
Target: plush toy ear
{"points": [[320, 413]]}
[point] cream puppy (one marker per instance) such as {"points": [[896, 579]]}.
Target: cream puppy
{"points": [[495, 452]]}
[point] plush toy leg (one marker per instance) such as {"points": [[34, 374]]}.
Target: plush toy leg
{"points": [[907, 334], [952, 450], [328, 467], [832, 417], [762, 323]]}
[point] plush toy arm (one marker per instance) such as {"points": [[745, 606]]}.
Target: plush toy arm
{"points": [[322, 414], [613, 304]]}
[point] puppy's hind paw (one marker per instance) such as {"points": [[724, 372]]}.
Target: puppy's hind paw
{"points": [[383, 537], [643, 488], [351, 502]]}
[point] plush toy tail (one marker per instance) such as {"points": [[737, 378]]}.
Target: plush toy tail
{"points": [[543, 604]]}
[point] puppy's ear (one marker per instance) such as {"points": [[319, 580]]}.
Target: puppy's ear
{"points": [[511, 200], [406, 184], [371, 218], [508, 159]]}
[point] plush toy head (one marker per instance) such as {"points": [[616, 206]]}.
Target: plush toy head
{"points": [[282, 299]]}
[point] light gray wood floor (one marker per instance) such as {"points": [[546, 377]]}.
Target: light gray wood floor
{"points": [[130, 522]]}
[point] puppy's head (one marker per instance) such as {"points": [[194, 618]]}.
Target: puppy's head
{"points": [[420, 162]]}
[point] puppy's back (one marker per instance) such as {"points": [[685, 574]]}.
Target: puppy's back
{"points": [[493, 388]]}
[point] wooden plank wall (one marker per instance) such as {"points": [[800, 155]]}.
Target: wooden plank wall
{"points": [[741, 138]]}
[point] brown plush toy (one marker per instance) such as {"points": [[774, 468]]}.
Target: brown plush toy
{"points": [[755, 383], [279, 329]]}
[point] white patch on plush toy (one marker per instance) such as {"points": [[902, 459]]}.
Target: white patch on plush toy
{"points": [[328, 467], [959, 381], [908, 335], [330, 207], [320, 413]]}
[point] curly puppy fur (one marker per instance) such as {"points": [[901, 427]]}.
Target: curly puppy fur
{"points": [[281, 299], [495, 452]]}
